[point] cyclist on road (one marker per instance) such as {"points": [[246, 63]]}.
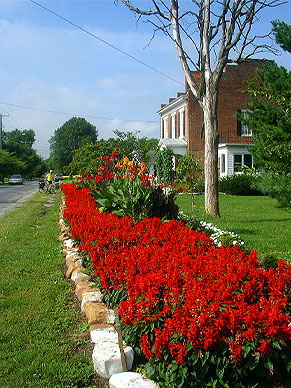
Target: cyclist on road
{"points": [[49, 179]]}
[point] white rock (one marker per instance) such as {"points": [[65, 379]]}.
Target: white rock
{"points": [[111, 317], [131, 380], [73, 253], [107, 360], [77, 273], [69, 243], [107, 334], [91, 296]]}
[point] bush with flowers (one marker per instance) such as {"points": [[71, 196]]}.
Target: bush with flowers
{"points": [[125, 188], [202, 315]]}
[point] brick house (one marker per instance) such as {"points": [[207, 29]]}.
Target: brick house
{"points": [[182, 121]]}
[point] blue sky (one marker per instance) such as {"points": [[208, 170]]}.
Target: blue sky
{"points": [[50, 65]]}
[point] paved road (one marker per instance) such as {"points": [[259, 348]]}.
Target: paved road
{"points": [[13, 196]]}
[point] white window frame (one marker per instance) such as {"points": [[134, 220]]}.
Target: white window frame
{"points": [[242, 161], [222, 157], [173, 129], [245, 131], [182, 123], [165, 119]]}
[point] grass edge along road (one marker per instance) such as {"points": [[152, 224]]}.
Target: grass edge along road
{"points": [[44, 341], [259, 220]]}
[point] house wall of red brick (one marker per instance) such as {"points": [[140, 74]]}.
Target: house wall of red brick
{"points": [[230, 100]]}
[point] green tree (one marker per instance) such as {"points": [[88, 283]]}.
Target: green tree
{"points": [[189, 174], [27, 136], [131, 145], [165, 165], [72, 135], [9, 164], [269, 118], [282, 33], [85, 159], [19, 144]]}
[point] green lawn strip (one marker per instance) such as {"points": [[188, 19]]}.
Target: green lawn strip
{"points": [[42, 343], [258, 220]]}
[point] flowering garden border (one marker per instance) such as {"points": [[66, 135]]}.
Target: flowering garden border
{"points": [[200, 313]]}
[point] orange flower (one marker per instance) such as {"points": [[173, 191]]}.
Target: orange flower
{"points": [[125, 161]]}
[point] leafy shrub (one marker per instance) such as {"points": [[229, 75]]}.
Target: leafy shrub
{"points": [[165, 165], [125, 188], [239, 184], [276, 186], [202, 315], [270, 260]]}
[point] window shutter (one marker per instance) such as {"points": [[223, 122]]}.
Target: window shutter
{"points": [[238, 123]]}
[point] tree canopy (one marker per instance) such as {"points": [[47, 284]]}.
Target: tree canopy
{"points": [[269, 118], [282, 33], [27, 136], [85, 159], [20, 155], [9, 164], [72, 135]]}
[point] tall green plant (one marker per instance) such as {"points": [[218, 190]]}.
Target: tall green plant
{"points": [[189, 174], [165, 165]]}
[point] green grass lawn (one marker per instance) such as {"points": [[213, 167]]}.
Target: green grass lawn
{"points": [[259, 220], [43, 343]]}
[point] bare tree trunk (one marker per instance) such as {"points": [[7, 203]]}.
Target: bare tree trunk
{"points": [[211, 152]]}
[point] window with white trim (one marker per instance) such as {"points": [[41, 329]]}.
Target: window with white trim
{"points": [[165, 127], [182, 123], [222, 164], [240, 160], [242, 128], [173, 126]]}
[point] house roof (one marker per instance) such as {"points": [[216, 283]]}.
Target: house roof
{"points": [[173, 143], [173, 103]]}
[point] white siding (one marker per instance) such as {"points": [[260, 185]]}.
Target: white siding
{"points": [[229, 151]]}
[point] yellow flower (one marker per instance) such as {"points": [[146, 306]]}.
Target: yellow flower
{"points": [[125, 161]]}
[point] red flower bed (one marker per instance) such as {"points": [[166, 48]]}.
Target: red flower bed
{"points": [[195, 296]]}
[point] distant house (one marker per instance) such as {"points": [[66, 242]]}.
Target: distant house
{"points": [[182, 127]]}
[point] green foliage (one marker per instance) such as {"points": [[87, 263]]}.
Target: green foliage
{"points": [[275, 185], [132, 146], [238, 184], [269, 117], [9, 164], [164, 165], [218, 369], [19, 145], [27, 136], [270, 120], [125, 196], [72, 135], [85, 159], [282, 33], [189, 174]]}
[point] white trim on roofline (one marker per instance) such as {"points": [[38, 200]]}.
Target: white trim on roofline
{"points": [[174, 105]]}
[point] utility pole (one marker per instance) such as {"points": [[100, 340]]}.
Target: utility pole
{"points": [[1, 121]]}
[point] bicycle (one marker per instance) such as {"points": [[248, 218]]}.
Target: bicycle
{"points": [[44, 187]]}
